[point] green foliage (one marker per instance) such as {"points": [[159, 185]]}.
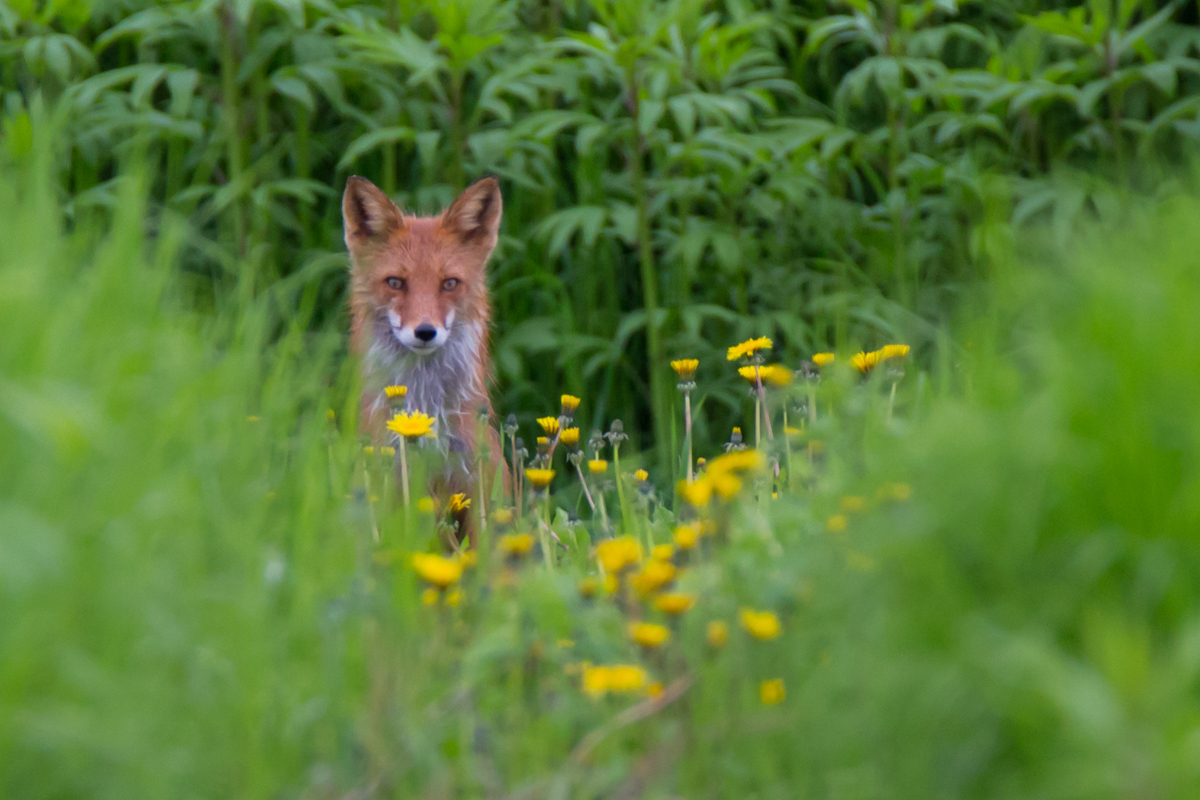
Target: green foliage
{"points": [[678, 174], [202, 597]]}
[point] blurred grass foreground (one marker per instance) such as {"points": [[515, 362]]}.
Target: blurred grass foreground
{"points": [[989, 590]]}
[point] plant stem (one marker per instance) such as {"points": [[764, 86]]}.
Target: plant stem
{"points": [[891, 402], [404, 469], [762, 397], [586, 493], [687, 424]]}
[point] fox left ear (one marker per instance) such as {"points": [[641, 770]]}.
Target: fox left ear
{"points": [[474, 216]]}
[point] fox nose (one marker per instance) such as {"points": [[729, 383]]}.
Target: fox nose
{"points": [[425, 332]]}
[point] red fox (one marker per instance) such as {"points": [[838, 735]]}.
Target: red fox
{"points": [[421, 314]]}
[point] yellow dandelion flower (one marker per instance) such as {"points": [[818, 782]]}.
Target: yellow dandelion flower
{"points": [[865, 362], [411, 424], [748, 348], [626, 678], [725, 484], [737, 430], [549, 425], [894, 351], [717, 634], [686, 536], [387, 450], [588, 587], [597, 465], [539, 478], [515, 544], [648, 634], [774, 374], [790, 431], [674, 603], [698, 492], [569, 403], [611, 583], [429, 597], [762, 625], [836, 523], [437, 570], [569, 436], [459, 502], [502, 516], [685, 368], [617, 555], [454, 597], [853, 503], [395, 391], [895, 491], [653, 576], [663, 552], [823, 359], [543, 441], [654, 689], [641, 476], [737, 461], [426, 505], [772, 692]]}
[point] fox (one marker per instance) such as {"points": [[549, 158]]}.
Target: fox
{"points": [[420, 317]]}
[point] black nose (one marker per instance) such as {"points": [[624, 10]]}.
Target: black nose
{"points": [[425, 332]]}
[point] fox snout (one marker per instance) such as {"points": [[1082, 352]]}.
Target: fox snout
{"points": [[420, 336]]}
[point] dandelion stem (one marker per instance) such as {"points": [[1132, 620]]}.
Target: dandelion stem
{"points": [[370, 505], [586, 493], [687, 424], [787, 448], [762, 396], [812, 404], [891, 402], [404, 469]]}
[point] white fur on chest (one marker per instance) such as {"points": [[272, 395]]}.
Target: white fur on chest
{"points": [[439, 384]]}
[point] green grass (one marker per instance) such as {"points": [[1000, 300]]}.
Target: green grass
{"points": [[194, 605]]}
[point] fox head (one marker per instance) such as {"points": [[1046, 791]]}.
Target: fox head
{"points": [[420, 279]]}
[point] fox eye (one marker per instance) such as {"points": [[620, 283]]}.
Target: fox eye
{"points": [[395, 283], [449, 284]]}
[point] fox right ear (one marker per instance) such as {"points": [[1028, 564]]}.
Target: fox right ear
{"points": [[367, 213]]}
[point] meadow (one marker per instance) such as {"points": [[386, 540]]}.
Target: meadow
{"points": [[930, 534]]}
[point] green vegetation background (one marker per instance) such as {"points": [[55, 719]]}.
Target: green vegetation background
{"points": [[189, 604]]}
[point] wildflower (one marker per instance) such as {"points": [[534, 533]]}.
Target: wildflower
{"points": [[395, 391], [459, 502], [654, 689], [588, 587], [865, 362], [739, 461], [539, 478], [761, 624], [502, 516], [686, 536], [616, 433], [837, 523], [853, 503], [510, 425], [771, 373], [618, 679], [425, 505], [549, 425], [748, 348], [641, 476], [663, 552], [387, 451], [653, 576], [790, 431], [821, 359], [893, 351], [701, 464], [717, 633], [772, 692], [569, 403], [674, 603], [569, 437], [439, 571], [616, 555], [597, 465], [698, 492], [468, 558], [369, 450], [429, 597], [648, 634], [611, 584], [454, 597], [895, 491], [515, 545], [411, 424], [725, 484], [685, 368]]}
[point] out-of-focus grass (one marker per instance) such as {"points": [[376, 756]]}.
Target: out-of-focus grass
{"points": [[193, 604]]}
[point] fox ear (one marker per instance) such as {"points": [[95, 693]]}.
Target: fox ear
{"points": [[474, 217], [367, 213]]}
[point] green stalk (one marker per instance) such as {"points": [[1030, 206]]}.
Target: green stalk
{"points": [[404, 470]]}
